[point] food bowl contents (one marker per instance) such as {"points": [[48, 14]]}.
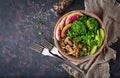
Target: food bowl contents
{"points": [[79, 34]]}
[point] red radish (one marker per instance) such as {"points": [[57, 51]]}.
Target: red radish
{"points": [[58, 33], [73, 16], [65, 30], [62, 23]]}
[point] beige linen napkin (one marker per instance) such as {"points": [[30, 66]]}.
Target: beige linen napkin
{"points": [[109, 12]]}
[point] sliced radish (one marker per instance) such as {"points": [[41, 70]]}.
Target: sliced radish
{"points": [[62, 23], [73, 16], [58, 33], [65, 30]]}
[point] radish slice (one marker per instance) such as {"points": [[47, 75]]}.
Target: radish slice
{"points": [[58, 33], [72, 17], [62, 23], [65, 30]]}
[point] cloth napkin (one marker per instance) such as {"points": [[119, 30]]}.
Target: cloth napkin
{"points": [[98, 67]]}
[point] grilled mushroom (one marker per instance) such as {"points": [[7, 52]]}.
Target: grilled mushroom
{"points": [[68, 41]]}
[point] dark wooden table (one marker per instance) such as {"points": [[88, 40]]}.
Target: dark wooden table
{"points": [[23, 22]]}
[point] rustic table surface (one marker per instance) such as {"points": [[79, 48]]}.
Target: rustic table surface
{"points": [[23, 22]]}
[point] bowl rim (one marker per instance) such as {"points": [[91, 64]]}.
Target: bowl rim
{"points": [[83, 59]]}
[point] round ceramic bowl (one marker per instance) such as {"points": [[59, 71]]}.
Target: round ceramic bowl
{"points": [[85, 58]]}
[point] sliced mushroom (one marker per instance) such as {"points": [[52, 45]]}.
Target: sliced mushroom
{"points": [[68, 48], [80, 45], [68, 41], [62, 44], [72, 53], [74, 46], [77, 52]]}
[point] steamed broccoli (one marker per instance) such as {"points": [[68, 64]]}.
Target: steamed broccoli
{"points": [[78, 28], [89, 39], [84, 30], [92, 24], [83, 19]]}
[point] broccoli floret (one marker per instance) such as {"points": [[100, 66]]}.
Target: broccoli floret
{"points": [[89, 39], [92, 24], [84, 30], [84, 39], [83, 19], [78, 27]]}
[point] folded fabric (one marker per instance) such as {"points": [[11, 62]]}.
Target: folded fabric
{"points": [[109, 12]]}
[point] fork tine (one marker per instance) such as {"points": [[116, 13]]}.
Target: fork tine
{"points": [[46, 44], [37, 47]]}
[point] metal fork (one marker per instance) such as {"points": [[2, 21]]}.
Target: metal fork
{"points": [[40, 49], [36, 47], [56, 54]]}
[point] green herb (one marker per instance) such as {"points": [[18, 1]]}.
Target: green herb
{"points": [[53, 65], [39, 33], [32, 23], [40, 22], [36, 26]]}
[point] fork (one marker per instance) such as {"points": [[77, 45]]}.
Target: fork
{"points": [[40, 49], [53, 51], [49, 47], [36, 47]]}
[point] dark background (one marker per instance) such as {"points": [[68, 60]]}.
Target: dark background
{"points": [[20, 27]]}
